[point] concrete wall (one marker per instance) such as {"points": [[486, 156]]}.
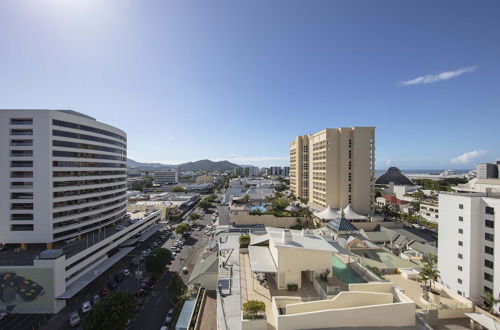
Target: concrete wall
{"points": [[383, 316], [379, 287], [266, 220], [345, 299]]}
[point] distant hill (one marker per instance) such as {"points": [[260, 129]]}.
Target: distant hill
{"points": [[208, 165], [200, 165]]}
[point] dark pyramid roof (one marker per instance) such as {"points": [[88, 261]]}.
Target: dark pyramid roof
{"points": [[341, 225], [393, 174]]}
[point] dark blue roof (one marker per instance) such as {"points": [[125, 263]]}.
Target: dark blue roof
{"points": [[341, 224], [393, 174]]}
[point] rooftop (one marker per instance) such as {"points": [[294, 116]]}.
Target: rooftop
{"points": [[394, 175], [299, 239]]}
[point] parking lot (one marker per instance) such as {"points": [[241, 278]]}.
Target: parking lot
{"points": [[156, 302]]}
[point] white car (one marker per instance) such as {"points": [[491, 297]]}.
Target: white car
{"points": [[126, 272], [170, 316], [74, 319], [86, 307]]}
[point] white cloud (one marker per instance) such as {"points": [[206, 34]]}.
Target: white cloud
{"points": [[468, 157], [432, 78]]}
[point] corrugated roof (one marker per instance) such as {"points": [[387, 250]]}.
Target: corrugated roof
{"points": [[185, 316]]}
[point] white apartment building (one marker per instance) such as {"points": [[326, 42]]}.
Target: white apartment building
{"points": [[62, 204], [468, 251], [167, 176], [335, 167], [429, 211]]}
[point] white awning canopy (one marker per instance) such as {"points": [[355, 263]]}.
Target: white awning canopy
{"points": [[349, 214], [328, 214], [261, 260]]}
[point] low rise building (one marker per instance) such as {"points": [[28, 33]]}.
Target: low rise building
{"points": [[166, 176], [429, 211]]}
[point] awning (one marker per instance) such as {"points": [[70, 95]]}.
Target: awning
{"points": [[94, 273], [258, 239], [328, 214], [484, 320], [261, 260]]}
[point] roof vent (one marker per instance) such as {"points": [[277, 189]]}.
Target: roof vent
{"points": [[286, 236]]}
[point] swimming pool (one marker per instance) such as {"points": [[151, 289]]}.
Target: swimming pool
{"points": [[344, 273], [260, 209]]}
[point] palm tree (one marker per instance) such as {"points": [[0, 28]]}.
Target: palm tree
{"points": [[490, 301]]}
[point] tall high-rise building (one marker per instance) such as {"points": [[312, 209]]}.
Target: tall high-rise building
{"points": [[335, 167], [63, 204], [469, 243]]}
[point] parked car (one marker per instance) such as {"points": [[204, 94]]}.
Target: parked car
{"points": [[104, 292], [126, 272], [170, 316], [118, 278], [3, 315], [185, 270], [74, 319], [96, 298], [120, 227], [86, 307], [141, 258], [112, 284]]}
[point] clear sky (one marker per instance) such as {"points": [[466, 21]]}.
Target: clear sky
{"points": [[238, 80]]}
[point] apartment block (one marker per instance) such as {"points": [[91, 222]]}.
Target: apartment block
{"points": [[467, 254], [335, 167], [167, 176]]}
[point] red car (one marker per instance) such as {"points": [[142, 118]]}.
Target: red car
{"points": [[104, 292]]}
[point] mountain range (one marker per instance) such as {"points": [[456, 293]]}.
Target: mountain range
{"points": [[199, 165]]}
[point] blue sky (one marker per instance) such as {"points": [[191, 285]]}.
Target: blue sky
{"points": [[238, 80]]}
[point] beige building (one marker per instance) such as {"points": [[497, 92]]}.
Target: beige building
{"points": [[335, 167], [205, 179]]}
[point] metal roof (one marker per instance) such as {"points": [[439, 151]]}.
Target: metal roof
{"points": [[185, 316], [341, 225], [261, 260]]}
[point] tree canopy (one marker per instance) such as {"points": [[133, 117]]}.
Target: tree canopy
{"points": [[194, 216], [157, 260], [182, 228], [111, 312], [253, 309], [178, 189]]}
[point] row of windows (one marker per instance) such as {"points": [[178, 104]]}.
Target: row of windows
{"points": [[21, 143], [86, 137], [66, 144], [21, 121], [21, 185], [59, 184], [85, 218], [86, 191], [87, 209], [21, 153], [21, 206], [21, 227], [21, 163], [58, 163], [87, 200], [19, 132], [21, 195], [57, 153], [21, 174], [91, 226], [64, 174], [62, 123], [21, 217]]}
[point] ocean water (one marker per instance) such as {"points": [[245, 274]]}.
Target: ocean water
{"points": [[423, 171]]}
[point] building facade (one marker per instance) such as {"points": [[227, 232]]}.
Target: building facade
{"points": [[335, 167], [166, 176], [65, 174], [467, 256]]}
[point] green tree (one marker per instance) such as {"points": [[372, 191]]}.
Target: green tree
{"points": [[178, 189], [182, 228], [279, 204], [429, 273], [137, 186], [245, 199], [253, 309], [176, 286], [111, 312], [419, 195], [244, 241], [490, 301], [194, 216], [157, 260]]}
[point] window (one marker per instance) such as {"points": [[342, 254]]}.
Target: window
{"points": [[488, 250], [21, 185], [21, 153], [459, 292], [21, 143], [460, 231], [487, 289], [21, 132], [21, 217], [21, 206], [21, 163], [488, 277], [488, 263], [488, 237], [21, 227], [460, 256], [460, 243], [21, 195], [460, 218], [459, 280], [21, 174], [489, 210], [460, 268], [461, 206], [21, 121], [489, 223]]}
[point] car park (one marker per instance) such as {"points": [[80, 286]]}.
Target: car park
{"points": [[86, 307], [74, 319]]}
